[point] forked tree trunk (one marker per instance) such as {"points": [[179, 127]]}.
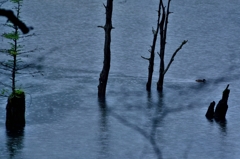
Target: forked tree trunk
{"points": [[163, 36], [152, 51], [107, 51]]}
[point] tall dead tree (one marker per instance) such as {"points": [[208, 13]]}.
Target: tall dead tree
{"points": [[163, 36], [107, 51], [152, 51]]}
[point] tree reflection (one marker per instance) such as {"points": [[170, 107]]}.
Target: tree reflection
{"points": [[104, 132], [14, 142]]}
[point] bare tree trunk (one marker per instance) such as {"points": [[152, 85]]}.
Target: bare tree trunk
{"points": [[163, 36], [152, 51], [107, 51]]}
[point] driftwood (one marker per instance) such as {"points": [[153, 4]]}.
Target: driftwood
{"points": [[221, 109]]}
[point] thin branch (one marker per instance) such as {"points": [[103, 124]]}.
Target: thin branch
{"points": [[104, 5], [174, 54], [101, 27], [145, 58]]}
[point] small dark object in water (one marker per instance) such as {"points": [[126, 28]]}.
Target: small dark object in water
{"points": [[201, 80]]}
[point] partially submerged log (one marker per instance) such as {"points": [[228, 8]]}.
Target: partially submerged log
{"points": [[221, 109]]}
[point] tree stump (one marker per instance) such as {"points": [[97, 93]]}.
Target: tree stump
{"points": [[221, 109], [15, 112], [222, 106], [210, 111]]}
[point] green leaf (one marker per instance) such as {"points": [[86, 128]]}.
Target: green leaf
{"points": [[16, 1], [12, 36]]}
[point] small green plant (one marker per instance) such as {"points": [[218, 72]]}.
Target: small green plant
{"points": [[14, 65]]}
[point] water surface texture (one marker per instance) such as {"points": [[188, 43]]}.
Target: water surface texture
{"points": [[65, 119]]}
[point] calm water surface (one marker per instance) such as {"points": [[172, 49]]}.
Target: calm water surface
{"points": [[63, 115]]}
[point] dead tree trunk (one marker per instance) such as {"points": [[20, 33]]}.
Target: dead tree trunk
{"points": [[107, 51], [152, 51], [163, 36]]}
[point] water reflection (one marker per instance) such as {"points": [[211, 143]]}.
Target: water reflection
{"points": [[104, 129], [14, 142], [223, 126]]}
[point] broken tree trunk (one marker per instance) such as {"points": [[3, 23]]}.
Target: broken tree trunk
{"points": [[221, 109], [152, 51], [107, 51], [222, 106]]}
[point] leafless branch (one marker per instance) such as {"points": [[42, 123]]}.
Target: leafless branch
{"points": [[174, 54]]}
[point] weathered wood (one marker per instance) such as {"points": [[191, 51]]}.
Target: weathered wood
{"points": [[107, 51]]}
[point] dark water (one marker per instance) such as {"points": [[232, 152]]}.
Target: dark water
{"points": [[63, 116]]}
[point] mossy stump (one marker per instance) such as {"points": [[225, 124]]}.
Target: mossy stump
{"points": [[15, 111]]}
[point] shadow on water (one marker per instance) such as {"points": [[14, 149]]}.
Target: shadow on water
{"points": [[14, 142], [104, 130], [151, 138]]}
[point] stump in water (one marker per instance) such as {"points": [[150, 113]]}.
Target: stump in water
{"points": [[15, 111], [210, 111], [221, 108]]}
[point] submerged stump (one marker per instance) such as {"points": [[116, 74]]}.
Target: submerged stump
{"points": [[15, 111], [221, 109], [210, 111], [222, 106]]}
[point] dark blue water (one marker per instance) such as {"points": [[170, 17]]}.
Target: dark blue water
{"points": [[63, 116]]}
